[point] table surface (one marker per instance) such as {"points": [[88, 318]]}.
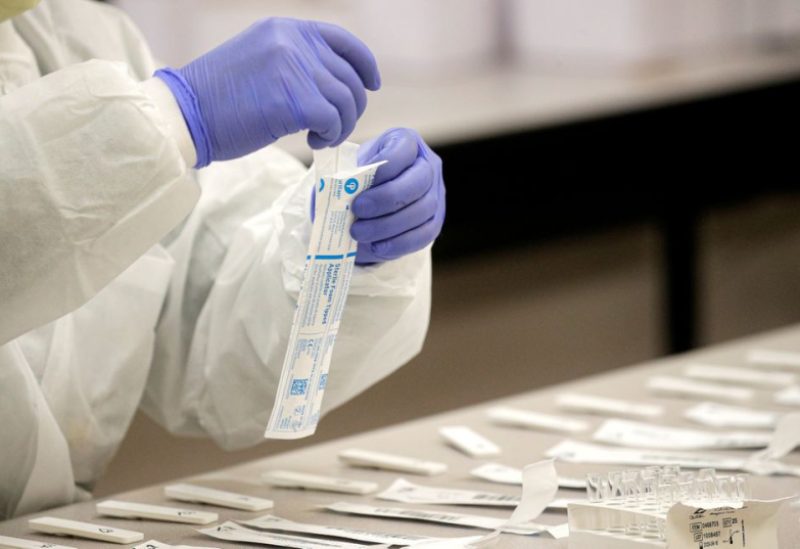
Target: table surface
{"points": [[505, 100], [420, 439]]}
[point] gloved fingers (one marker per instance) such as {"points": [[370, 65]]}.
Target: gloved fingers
{"points": [[364, 255], [340, 97], [354, 51], [396, 194], [343, 72], [389, 226], [408, 242], [323, 120], [399, 147]]}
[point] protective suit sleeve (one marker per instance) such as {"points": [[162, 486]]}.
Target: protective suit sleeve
{"points": [[224, 330], [92, 178]]}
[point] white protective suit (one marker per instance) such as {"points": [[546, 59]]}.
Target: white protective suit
{"points": [[112, 298]]}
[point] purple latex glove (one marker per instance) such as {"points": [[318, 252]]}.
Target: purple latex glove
{"points": [[404, 210], [278, 77]]}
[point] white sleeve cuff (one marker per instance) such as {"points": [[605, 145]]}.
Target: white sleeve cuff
{"points": [[161, 95]]}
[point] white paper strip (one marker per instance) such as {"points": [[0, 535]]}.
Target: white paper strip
{"points": [[85, 530], [125, 509], [682, 387], [294, 479], [535, 420], [787, 360], [642, 435], [329, 266], [539, 488], [503, 474], [17, 543], [713, 414], [230, 531], [784, 440], [744, 376], [587, 404], [271, 522], [789, 396], [469, 441], [391, 462]]}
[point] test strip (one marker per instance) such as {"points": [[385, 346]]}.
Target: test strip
{"points": [[536, 420], [85, 530], [391, 462], [17, 543], [683, 387], [714, 414], [745, 376], [292, 479], [231, 500], [470, 442], [581, 404], [780, 359], [125, 509]]}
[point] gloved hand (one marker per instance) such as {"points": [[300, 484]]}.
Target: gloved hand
{"points": [[278, 77], [404, 209]]}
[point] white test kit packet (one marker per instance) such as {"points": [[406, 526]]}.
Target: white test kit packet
{"points": [[85, 530], [535, 420], [274, 523], [713, 414], [231, 500], [330, 261], [125, 509], [786, 360], [230, 531], [588, 404], [17, 543], [573, 451], [690, 388], [437, 517], [293, 479], [391, 462], [503, 474], [643, 435], [742, 376], [789, 396], [469, 441]]}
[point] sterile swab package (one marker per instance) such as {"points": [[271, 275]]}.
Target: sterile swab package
{"points": [[326, 279]]}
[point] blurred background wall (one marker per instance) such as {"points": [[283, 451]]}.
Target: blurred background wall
{"points": [[620, 176]]}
